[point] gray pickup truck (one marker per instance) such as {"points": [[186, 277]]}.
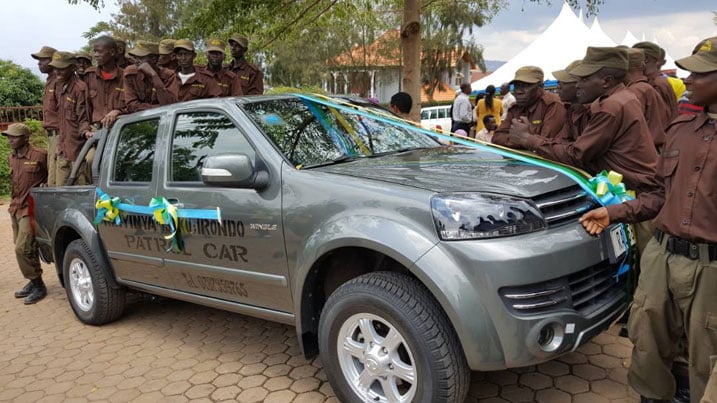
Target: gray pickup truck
{"points": [[402, 262]]}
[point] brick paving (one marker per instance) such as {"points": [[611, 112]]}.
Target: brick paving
{"points": [[171, 351]]}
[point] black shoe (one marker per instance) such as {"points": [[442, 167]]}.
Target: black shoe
{"points": [[650, 400], [623, 331], [38, 292], [26, 290], [682, 395]]}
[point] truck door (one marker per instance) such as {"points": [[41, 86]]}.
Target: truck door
{"points": [[241, 259], [136, 247]]}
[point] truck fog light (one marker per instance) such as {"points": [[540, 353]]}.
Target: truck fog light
{"points": [[551, 337]]}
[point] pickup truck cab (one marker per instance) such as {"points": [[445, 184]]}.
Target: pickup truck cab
{"points": [[404, 263]]}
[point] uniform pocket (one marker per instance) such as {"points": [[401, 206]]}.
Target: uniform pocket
{"points": [[668, 165]]}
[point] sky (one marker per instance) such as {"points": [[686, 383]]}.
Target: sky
{"points": [[676, 25]]}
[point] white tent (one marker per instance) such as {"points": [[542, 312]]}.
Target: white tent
{"points": [[565, 40]]}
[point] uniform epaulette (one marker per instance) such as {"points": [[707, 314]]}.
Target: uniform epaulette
{"points": [[682, 118], [130, 70]]}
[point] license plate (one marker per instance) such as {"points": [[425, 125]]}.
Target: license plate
{"points": [[617, 241]]}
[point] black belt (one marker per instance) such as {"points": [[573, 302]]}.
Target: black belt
{"points": [[685, 247]]}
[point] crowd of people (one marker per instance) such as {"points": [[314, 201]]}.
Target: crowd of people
{"points": [[614, 111]]}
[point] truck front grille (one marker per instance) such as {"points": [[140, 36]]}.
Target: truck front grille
{"points": [[565, 205], [584, 292]]}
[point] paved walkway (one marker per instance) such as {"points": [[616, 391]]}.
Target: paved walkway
{"points": [[166, 350]]}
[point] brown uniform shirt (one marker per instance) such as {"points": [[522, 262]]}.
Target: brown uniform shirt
{"points": [[547, 117], [227, 82], [616, 138], [666, 92], [74, 116], [105, 95], [655, 110], [576, 120], [140, 94], [50, 117], [250, 77], [688, 166], [28, 169], [201, 85]]}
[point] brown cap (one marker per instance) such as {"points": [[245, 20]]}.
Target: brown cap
{"points": [[61, 60], [81, 54], [241, 40], [529, 74], [598, 57], [166, 46], [635, 58], [651, 49], [216, 45], [17, 130], [704, 60], [564, 76], [143, 48], [120, 42], [183, 44], [45, 52]]}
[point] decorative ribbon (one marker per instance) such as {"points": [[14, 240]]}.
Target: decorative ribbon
{"points": [[605, 188], [163, 212]]}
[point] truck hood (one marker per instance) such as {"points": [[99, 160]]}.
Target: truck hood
{"points": [[452, 169]]}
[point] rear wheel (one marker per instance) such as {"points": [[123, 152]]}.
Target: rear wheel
{"points": [[383, 338], [91, 297]]}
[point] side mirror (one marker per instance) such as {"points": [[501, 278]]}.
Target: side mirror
{"points": [[233, 170]]}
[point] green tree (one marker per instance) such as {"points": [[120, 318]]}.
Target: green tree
{"points": [[19, 86]]}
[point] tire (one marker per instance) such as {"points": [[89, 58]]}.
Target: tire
{"points": [[412, 353], [91, 297]]}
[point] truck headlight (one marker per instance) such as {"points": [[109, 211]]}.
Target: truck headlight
{"points": [[460, 216]]}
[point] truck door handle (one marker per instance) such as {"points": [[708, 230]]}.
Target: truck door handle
{"points": [[175, 202]]}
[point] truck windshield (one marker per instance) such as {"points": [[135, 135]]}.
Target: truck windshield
{"points": [[311, 134]]}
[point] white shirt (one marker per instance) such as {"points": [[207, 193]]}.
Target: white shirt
{"points": [[185, 77], [508, 101], [462, 109]]}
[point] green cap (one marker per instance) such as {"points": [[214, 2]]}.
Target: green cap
{"points": [[597, 58], [183, 44], [17, 130], [241, 40], [216, 45], [529, 74], [704, 60], [81, 54], [651, 49], [635, 58], [45, 52], [143, 48], [564, 75], [166, 46], [62, 60]]}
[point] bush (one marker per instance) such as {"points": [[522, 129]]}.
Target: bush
{"points": [[38, 139]]}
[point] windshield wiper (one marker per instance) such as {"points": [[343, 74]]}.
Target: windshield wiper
{"points": [[339, 160], [397, 151]]}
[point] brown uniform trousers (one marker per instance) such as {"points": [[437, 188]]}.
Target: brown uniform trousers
{"points": [[23, 235], [675, 295]]}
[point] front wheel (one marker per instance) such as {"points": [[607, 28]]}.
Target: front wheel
{"points": [[91, 297], [384, 338]]}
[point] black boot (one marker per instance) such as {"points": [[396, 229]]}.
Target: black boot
{"points": [[38, 292], [649, 400], [26, 290]]}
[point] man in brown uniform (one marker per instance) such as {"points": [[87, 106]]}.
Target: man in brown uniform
{"points": [[28, 168], [654, 59], [167, 57], [541, 111], [227, 81], [121, 61], [250, 76], [576, 113], [50, 117], [677, 291], [84, 62], [654, 108], [105, 85], [147, 85], [71, 94], [191, 83]]}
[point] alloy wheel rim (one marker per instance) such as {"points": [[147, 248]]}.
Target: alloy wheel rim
{"points": [[81, 285]]}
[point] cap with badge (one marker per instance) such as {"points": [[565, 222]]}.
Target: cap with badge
{"points": [[215, 45], [651, 49], [166, 46], [185, 44], [564, 75], [529, 74], [63, 60], [16, 130], [241, 40], [702, 61], [597, 58], [45, 52], [143, 48]]}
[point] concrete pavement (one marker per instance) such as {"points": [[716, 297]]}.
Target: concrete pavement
{"points": [[166, 350]]}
